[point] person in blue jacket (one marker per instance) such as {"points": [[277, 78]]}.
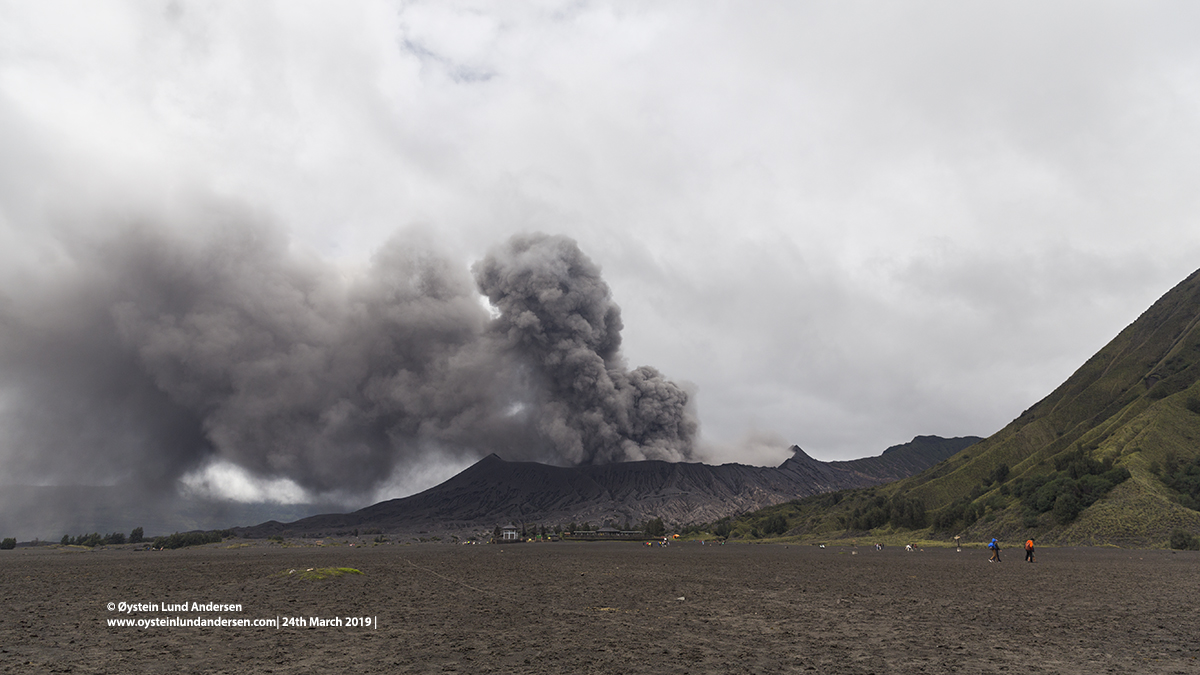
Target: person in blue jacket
{"points": [[995, 546]]}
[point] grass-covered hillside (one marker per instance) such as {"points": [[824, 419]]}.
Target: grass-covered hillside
{"points": [[1110, 456]]}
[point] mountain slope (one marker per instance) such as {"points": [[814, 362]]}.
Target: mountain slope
{"points": [[1058, 470], [494, 491]]}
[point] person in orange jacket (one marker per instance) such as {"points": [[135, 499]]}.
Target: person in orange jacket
{"points": [[1029, 551]]}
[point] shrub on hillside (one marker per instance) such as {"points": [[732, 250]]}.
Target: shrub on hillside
{"points": [[999, 474], [869, 516], [1193, 403], [900, 511], [1029, 518], [1182, 540], [723, 528], [8, 543], [907, 513], [776, 524], [962, 513], [1184, 479], [1066, 507], [1077, 482], [949, 517], [655, 527]]}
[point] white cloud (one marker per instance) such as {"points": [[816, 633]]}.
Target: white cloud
{"points": [[222, 480]]}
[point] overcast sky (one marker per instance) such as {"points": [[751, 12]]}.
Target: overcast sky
{"points": [[840, 225]]}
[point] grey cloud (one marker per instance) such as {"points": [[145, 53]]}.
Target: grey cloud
{"points": [[557, 315], [163, 349]]}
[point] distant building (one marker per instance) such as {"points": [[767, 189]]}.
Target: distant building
{"points": [[509, 532]]}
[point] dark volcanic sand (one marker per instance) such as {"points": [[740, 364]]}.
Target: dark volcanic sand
{"points": [[609, 608]]}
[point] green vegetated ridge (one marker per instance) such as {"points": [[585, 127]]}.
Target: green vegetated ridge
{"points": [[1112, 456]]}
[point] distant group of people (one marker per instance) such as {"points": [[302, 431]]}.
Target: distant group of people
{"points": [[995, 548]]}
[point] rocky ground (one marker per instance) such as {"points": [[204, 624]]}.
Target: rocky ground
{"points": [[603, 608]]}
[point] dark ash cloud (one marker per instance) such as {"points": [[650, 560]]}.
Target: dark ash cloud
{"points": [[558, 318], [149, 354]]}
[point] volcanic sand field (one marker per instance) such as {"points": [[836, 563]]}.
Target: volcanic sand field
{"points": [[606, 608]]}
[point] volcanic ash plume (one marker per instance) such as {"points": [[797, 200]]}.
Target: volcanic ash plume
{"points": [[558, 318], [148, 355]]}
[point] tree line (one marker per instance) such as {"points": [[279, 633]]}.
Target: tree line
{"points": [[137, 536]]}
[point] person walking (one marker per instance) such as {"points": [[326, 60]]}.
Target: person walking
{"points": [[995, 546], [1029, 550]]}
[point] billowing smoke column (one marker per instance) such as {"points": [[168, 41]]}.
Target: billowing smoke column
{"points": [[557, 315], [144, 356]]}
